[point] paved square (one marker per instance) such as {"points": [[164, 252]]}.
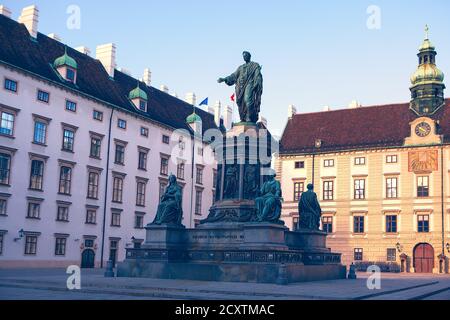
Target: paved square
{"points": [[50, 284]]}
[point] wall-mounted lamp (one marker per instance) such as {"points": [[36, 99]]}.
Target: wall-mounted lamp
{"points": [[21, 235], [399, 247], [448, 247]]}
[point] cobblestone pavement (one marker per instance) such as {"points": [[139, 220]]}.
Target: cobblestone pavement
{"points": [[50, 284]]}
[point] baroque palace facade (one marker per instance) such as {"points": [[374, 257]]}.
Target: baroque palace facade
{"points": [[86, 151], [381, 174]]}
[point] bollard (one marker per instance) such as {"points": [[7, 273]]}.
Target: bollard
{"points": [[109, 273], [282, 275], [352, 272]]}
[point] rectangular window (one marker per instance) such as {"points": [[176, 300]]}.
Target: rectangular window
{"points": [[198, 202], [180, 170], [117, 189], [122, 124], [199, 175], [30, 245], [34, 210], [40, 132], [37, 175], [423, 186], [7, 123], [115, 219], [295, 222], [140, 193], [162, 189], [327, 224], [93, 181], [91, 216], [391, 224], [391, 188], [60, 246], [139, 221], [11, 85], [391, 159], [68, 140], [142, 161], [299, 187], [328, 163], [65, 180], [299, 164], [119, 157], [360, 189], [1, 244], [360, 161], [214, 178], [43, 96], [71, 106], [165, 139], [144, 131], [142, 105], [423, 223], [328, 190], [70, 75], [62, 214], [358, 254], [164, 170], [96, 147], [97, 115], [3, 207], [358, 224], [391, 255], [5, 168]]}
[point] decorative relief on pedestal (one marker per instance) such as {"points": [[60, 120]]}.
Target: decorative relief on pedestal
{"points": [[231, 182]]}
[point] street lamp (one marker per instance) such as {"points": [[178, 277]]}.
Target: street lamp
{"points": [[21, 235], [448, 247], [317, 145], [399, 247]]}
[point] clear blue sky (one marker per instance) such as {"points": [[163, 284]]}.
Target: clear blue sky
{"points": [[314, 53]]}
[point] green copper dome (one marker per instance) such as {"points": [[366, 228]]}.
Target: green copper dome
{"points": [[65, 60], [193, 118], [138, 93], [427, 46]]}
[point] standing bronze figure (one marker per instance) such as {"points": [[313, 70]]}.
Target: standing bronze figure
{"points": [[249, 87], [309, 210]]}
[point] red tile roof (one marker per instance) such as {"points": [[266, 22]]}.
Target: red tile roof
{"points": [[360, 128]]}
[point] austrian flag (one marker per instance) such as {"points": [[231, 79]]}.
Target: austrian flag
{"points": [[233, 97]]}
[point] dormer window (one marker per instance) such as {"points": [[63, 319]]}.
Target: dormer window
{"points": [[139, 98], [66, 67]]}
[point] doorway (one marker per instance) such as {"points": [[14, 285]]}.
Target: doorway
{"points": [[423, 258], [88, 259]]}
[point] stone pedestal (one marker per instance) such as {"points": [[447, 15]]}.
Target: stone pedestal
{"points": [[230, 245], [165, 237]]}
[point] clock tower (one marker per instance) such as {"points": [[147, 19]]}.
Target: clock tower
{"points": [[427, 90]]}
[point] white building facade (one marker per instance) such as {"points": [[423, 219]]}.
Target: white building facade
{"points": [[86, 152]]}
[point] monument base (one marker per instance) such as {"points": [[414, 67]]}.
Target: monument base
{"points": [[233, 252]]}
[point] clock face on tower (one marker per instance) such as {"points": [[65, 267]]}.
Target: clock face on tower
{"points": [[423, 129]]}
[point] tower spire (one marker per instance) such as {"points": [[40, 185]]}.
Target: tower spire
{"points": [[427, 31]]}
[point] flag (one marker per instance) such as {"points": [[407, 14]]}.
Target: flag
{"points": [[233, 97], [204, 102]]}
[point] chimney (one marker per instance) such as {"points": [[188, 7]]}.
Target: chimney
{"points": [[190, 98], [217, 113], [84, 50], [326, 108], [54, 36], [5, 11], [164, 88], [228, 117], [147, 77], [106, 53], [354, 104], [30, 18], [292, 110]]}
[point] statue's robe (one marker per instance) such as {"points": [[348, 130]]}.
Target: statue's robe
{"points": [[309, 211], [170, 210], [249, 88], [268, 205]]}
